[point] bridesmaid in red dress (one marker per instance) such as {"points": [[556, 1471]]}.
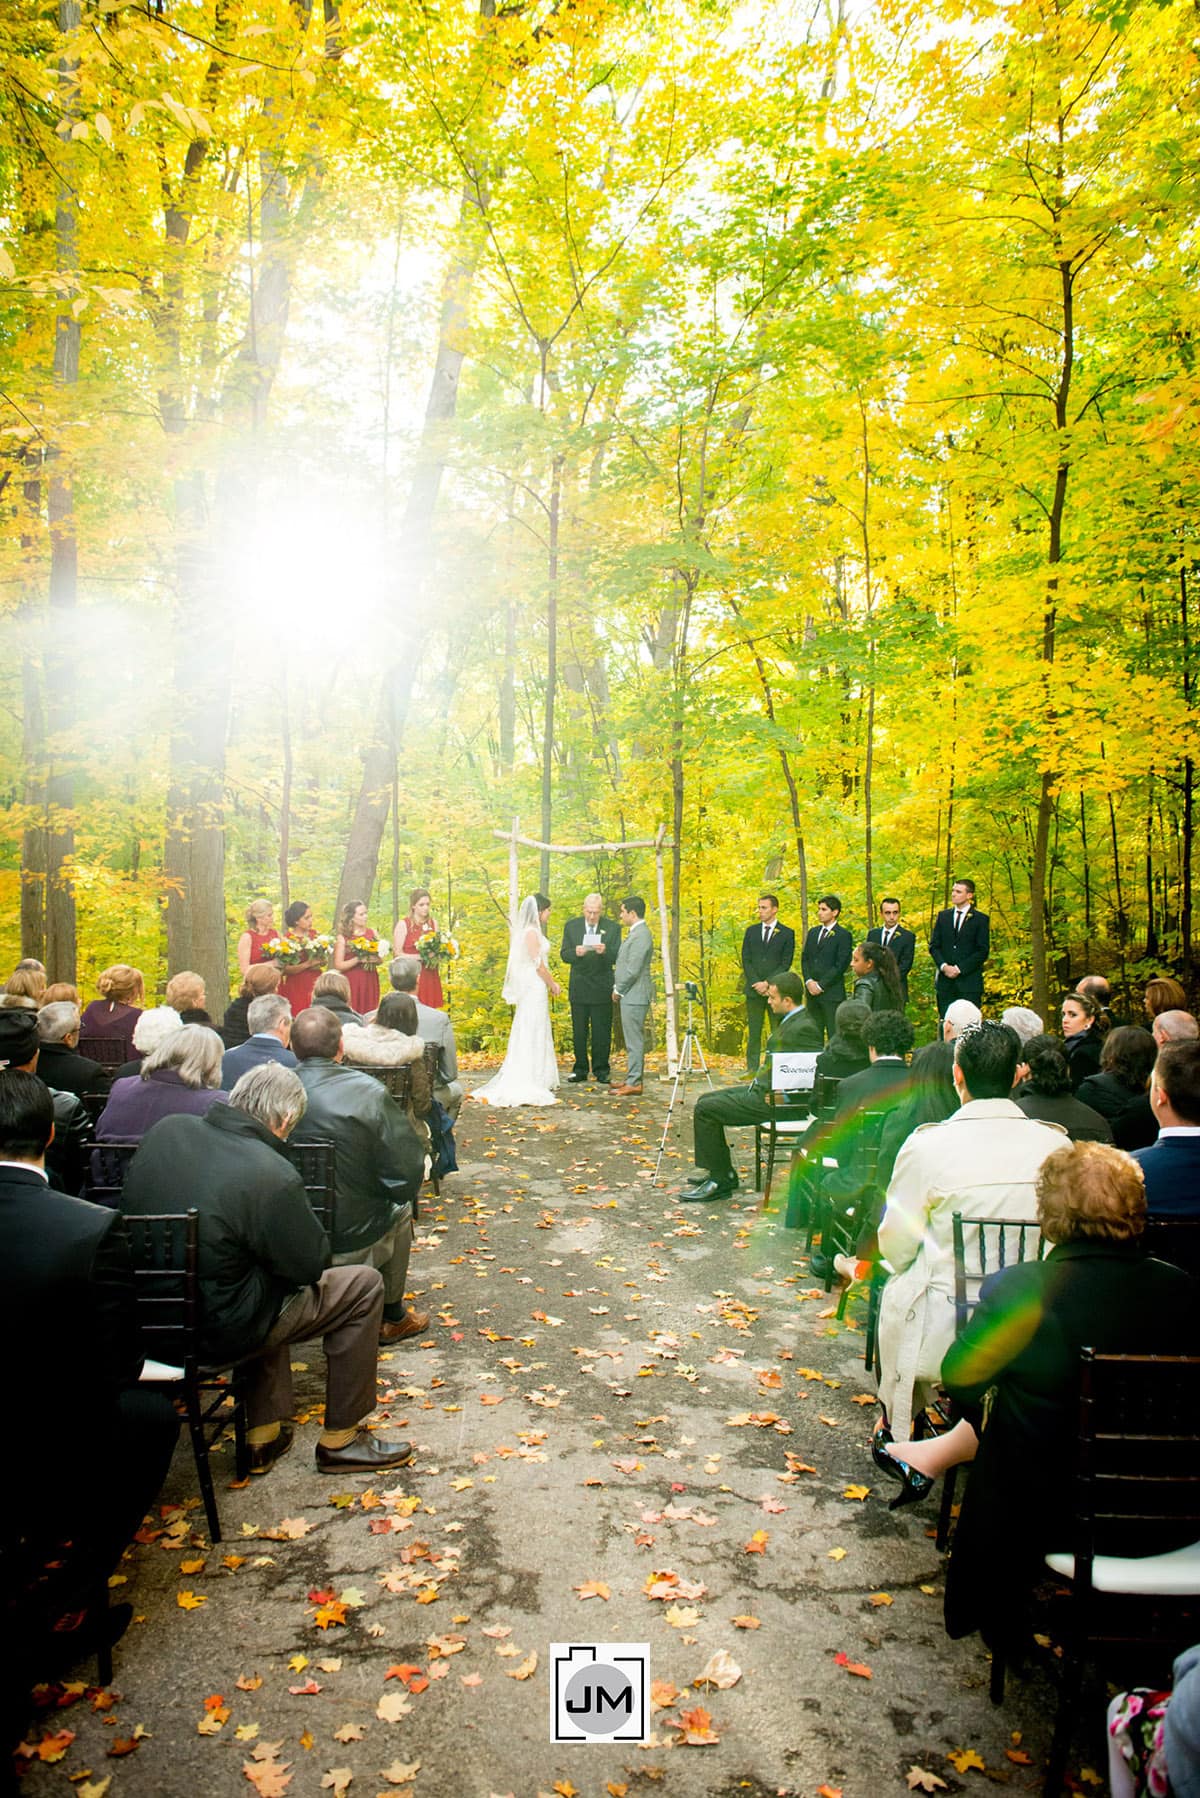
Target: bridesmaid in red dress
{"points": [[364, 981], [297, 983], [407, 935], [260, 928]]}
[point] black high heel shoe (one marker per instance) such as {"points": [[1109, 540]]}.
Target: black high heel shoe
{"points": [[886, 1463], [916, 1486]]}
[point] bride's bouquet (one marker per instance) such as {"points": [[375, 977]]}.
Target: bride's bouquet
{"points": [[369, 950], [437, 946]]}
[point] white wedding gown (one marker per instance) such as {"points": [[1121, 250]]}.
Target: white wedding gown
{"points": [[529, 1075]]}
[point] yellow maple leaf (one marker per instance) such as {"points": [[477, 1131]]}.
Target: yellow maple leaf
{"points": [[190, 1601], [963, 1759], [859, 1492], [837, 1554]]}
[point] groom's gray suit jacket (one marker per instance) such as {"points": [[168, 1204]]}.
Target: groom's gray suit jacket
{"points": [[631, 976]]}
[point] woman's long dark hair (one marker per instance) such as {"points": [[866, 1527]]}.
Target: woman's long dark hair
{"points": [[883, 962]]}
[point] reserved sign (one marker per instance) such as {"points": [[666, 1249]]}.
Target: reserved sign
{"points": [[793, 1073]]}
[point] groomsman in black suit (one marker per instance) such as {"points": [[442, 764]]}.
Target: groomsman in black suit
{"points": [[824, 960], [589, 948], [768, 948], [892, 934], [959, 945]]}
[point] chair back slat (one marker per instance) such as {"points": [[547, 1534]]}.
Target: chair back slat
{"points": [[107, 1051], [165, 1254], [826, 1095], [984, 1245], [1175, 1239], [1138, 1468], [109, 1166], [93, 1104], [398, 1081], [315, 1161]]}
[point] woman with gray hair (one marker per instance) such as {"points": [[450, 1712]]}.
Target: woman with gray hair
{"points": [[152, 1029], [182, 1074]]}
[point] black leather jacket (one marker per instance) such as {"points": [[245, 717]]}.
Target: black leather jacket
{"points": [[380, 1163]]}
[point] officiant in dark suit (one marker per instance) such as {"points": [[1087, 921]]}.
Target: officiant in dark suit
{"points": [[959, 944], [768, 948], [589, 948], [824, 960], [893, 935]]}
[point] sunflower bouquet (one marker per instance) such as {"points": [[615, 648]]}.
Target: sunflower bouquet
{"points": [[369, 950], [437, 946], [286, 951]]}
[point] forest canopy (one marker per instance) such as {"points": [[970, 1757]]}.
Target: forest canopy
{"points": [[774, 423]]}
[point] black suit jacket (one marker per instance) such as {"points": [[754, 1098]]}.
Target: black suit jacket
{"points": [[1171, 1170], [795, 1031], [761, 961], [968, 951], [68, 1329], [903, 946], [591, 981], [826, 962]]}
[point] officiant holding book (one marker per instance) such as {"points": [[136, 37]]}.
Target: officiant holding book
{"points": [[589, 948]]}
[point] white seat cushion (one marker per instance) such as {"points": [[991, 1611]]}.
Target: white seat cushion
{"points": [[159, 1371], [1173, 1575]]}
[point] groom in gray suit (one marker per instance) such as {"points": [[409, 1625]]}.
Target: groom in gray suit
{"points": [[633, 987]]}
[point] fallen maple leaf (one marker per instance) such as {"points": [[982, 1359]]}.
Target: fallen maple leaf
{"points": [[919, 1780], [269, 1778], [309, 1689], [593, 1588], [248, 1682], [856, 1667], [837, 1554], [880, 1598], [93, 1788], [392, 1706], [745, 1622], [337, 1780], [859, 1492], [681, 1616], [400, 1772], [349, 1732], [829, 1792], [527, 1668], [695, 1727], [51, 1748], [471, 1679], [1018, 1757], [662, 1694], [192, 1566], [328, 1614], [190, 1601], [963, 1759], [720, 1670], [757, 1544]]}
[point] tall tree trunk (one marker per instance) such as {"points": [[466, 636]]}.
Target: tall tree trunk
{"points": [[1189, 783], [33, 725], [551, 668]]}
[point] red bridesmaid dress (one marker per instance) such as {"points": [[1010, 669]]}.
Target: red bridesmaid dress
{"points": [[364, 982], [297, 984], [429, 983], [258, 944]]}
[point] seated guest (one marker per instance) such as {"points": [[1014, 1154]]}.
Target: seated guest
{"points": [[1083, 1036], [264, 1279], [1025, 1022], [1096, 1289], [863, 1102], [332, 990], [1096, 987], [845, 1053], [1120, 1091], [67, 1152], [182, 1074], [1163, 994], [982, 1160], [68, 1324], [186, 993], [1044, 1091], [25, 986], [270, 1022], [61, 992], [391, 1041], [151, 1031], [1171, 1166], [433, 1026], [877, 981], [960, 1015], [262, 977], [796, 1030], [380, 1163], [59, 1063], [114, 1014], [1174, 1027], [929, 1098]]}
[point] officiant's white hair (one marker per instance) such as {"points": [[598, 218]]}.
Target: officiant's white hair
{"points": [[593, 896]]}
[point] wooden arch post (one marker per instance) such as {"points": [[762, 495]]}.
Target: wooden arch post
{"points": [[659, 843]]}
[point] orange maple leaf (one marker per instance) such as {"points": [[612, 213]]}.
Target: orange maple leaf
{"points": [[326, 1614], [695, 1727]]}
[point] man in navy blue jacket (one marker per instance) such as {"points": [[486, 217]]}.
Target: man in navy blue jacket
{"points": [[269, 1021], [1171, 1166]]}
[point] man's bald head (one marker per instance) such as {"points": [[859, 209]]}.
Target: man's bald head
{"points": [[1175, 1027], [592, 907]]}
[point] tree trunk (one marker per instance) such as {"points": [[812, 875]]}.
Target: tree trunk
{"points": [[1189, 779], [551, 668]]}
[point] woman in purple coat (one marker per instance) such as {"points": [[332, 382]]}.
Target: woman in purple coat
{"points": [[182, 1074]]}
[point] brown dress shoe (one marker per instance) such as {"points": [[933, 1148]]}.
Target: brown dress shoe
{"points": [[263, 1455], [365, 1454], [626, 1091], [411, 1324]]}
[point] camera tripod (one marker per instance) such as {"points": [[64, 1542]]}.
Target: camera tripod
{"points": [[691, 1060]]}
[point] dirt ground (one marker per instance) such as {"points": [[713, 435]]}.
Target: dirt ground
{"points": [[635, 1423]]}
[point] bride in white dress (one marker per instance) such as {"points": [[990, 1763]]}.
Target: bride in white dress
{"points": [[529, 1075]]}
